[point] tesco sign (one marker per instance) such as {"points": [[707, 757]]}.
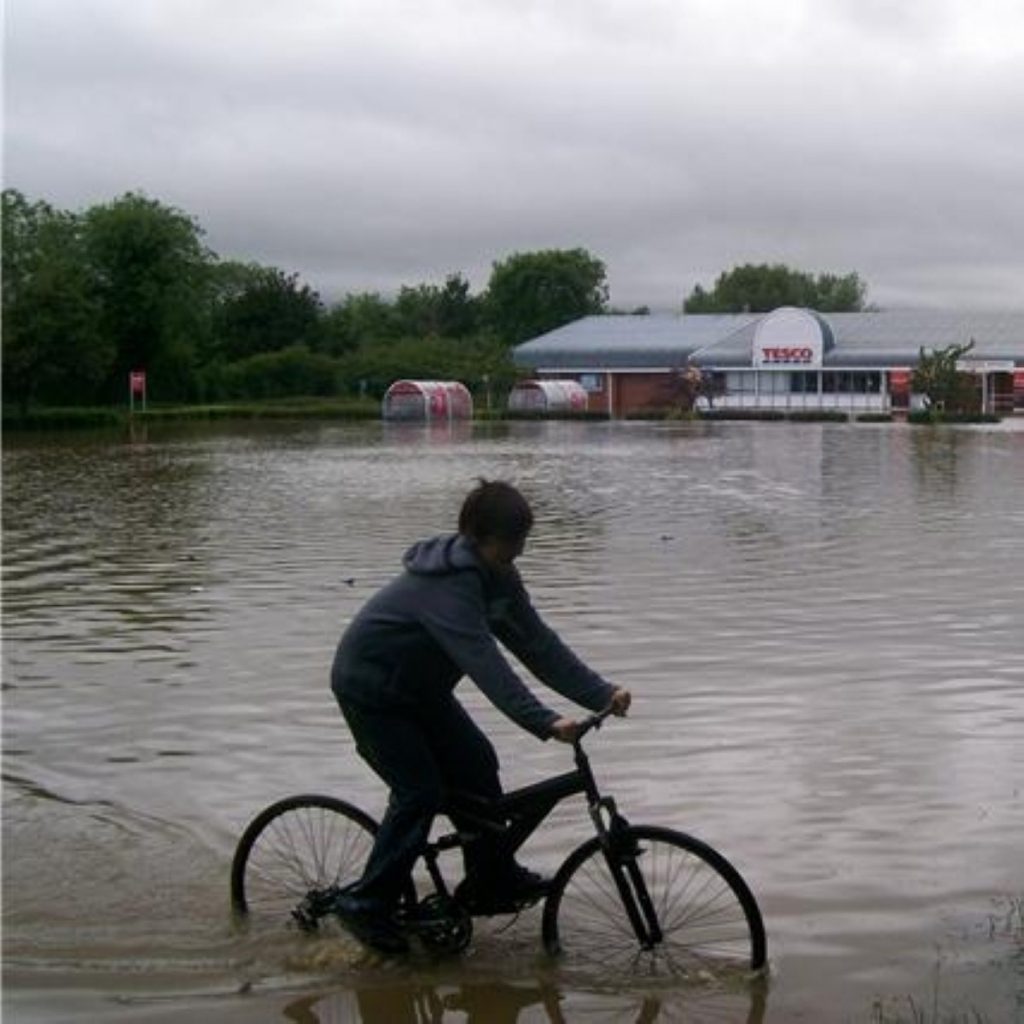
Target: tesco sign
{"points": [[791, 337], [802, 354]]}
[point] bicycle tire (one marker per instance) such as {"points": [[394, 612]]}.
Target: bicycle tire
{"points": [[295, 847], [707, 914]]}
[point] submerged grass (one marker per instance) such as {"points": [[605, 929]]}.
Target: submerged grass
{"points": [[1006, 921], [913, 1013], [908, 1010]]}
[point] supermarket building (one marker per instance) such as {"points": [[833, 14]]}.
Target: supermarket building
{"points": [[787, 359]]}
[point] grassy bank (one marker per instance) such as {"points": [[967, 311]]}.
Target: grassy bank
{"points": [[369, 409], [90, 418]]}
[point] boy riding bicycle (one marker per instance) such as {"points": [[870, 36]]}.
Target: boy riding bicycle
{"points": [[394, 673]]}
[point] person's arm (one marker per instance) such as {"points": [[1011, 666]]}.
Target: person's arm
{"points": [[542, 651], [454, 614]]}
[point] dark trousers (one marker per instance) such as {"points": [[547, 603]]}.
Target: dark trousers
{"points": [[419, 752]]}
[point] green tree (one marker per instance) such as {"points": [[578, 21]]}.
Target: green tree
{"points": [[460, 311], [53, 348], [760, 288], [946, 388], [153, 276], [835, 293], [269, 310], [530, 293], [448, 311], [361, 318], [286, 372], [481, 362]]}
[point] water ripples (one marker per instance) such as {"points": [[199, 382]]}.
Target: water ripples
{"points": [[822, 627]]}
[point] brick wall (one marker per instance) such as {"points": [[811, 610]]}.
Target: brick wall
{"points": [[635, 391]]}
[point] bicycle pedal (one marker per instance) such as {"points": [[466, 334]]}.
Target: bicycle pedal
{"points": [[305, 921], [440, 923], [315, 904], [431, 911]]}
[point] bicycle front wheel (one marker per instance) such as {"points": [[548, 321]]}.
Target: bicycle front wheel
{"points": [[699, 913], [293, 851]]}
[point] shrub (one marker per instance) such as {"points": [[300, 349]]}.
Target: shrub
{"points": [[937, 416], [558, 414], [773, 415], [818, 416], [288, 372]]}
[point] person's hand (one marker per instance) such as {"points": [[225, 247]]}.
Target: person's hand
{"points": [[564, 729], [621, 699]]}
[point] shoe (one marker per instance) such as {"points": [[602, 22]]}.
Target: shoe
{"points": [[507, 893], [526, 885], [370, 923]]}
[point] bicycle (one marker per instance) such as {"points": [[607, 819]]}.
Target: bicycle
{"points": [[635, 897]]}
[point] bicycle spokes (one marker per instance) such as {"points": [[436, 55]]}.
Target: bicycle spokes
{"points": [[668, 906]]}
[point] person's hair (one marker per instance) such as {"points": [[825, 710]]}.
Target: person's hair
{"points": [[495, 509]]}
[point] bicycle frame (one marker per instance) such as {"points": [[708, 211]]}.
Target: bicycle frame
{"points": [[516, 815], [512, 818]]}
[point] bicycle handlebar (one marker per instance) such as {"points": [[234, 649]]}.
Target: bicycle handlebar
{"points": [[592, 722]]}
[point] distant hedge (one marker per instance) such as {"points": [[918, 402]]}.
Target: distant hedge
{"points": [[932, 417], [757, 415], [523, 414], [770, 415], [818, 416]]}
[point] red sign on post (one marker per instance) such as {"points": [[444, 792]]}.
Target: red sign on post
{"points": [[137, 387]]}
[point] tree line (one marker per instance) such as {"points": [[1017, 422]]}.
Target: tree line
{"points": [[90, 296], [130, 284], [760, 288]]}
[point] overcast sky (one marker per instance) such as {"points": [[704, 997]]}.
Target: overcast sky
{"points": [[366, 144]]}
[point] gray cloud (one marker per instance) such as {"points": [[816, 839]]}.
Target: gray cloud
{"points": [[370, 144]]}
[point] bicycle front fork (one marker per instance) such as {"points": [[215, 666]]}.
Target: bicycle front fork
{"points": [[622, 852]]}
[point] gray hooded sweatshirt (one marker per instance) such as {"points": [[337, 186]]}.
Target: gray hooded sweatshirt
{"points": [[416, 638]]}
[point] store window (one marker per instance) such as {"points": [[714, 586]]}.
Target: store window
{"points": [[772, 383], [803, 382], [739, 382], [851, 382]]}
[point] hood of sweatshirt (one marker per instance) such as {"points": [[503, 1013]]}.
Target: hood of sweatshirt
{"points": [[441, 555]]}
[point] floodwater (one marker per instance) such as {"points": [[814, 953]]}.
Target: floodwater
{"points": [[822, 625]]}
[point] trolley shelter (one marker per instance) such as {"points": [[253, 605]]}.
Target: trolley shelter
{"points": [[427, 401], [548, 396]]}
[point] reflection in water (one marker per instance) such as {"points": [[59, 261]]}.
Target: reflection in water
{"points": [[499, 1003], [821, 625]]}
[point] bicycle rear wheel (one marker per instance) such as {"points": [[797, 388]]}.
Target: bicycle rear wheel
{"points": [[295, 850], [707, 916]]}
